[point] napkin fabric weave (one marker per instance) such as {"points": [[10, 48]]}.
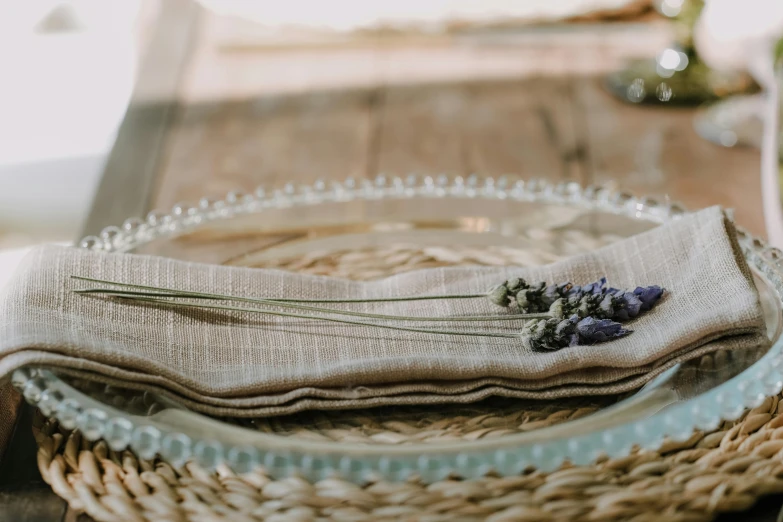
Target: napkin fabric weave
{"points": [[242, 364]]}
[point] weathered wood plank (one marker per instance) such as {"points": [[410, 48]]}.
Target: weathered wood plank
{"points": [[236, 59], [524, 127], [271, 140], [655, 151], [422, 129], [493, 128], [213, 148]]}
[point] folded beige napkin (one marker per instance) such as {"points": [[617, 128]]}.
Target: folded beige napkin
{"points": [[242, 364]]}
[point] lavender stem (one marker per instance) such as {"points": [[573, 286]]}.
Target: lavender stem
{"points": [[163, 302], [171, 293], [291, 300]]}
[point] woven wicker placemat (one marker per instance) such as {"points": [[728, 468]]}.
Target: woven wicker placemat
{"points": [[724, 470]]}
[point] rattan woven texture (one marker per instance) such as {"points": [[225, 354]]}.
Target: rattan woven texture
{"points": [[724, 470]]}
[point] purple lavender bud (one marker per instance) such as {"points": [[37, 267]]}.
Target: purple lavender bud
{"points": [[629, 306], [606, 307], [620, 306], [648, 295], [550, 295], [552, 334], [554, 292], [596, 287], [591, 331], [567, 327]]}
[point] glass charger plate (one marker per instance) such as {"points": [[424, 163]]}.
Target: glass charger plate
{"points": [[366, 229]]}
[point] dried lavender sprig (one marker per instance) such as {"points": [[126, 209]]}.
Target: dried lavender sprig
{"points": [[621, 306], [540, 296], [504, 294], [602, 306], [564, 299], [547, 335], [555, 334]]}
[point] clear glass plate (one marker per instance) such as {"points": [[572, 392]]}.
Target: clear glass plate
{"points": [[368, 229]]}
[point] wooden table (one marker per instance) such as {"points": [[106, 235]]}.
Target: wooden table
{"points": [[530, 104]]}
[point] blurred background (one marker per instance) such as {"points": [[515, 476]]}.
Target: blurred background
{"points": [[111, 109]]}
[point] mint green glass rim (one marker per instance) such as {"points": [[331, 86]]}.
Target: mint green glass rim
{"points": [[178, 435]]}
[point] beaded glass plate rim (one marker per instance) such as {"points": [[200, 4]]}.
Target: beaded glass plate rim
{"points": [[316, 461]]}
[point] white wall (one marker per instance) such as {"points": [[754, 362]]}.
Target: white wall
{"points": [[66, 74]]}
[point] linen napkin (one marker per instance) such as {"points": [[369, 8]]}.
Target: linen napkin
{"points": [[10, 400], [242, 364]]}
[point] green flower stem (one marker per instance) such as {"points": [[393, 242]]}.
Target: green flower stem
{"points": [[179, 304], [289, 300], [177, 294]]}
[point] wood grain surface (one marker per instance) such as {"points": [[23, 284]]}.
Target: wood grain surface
{"points": [[655, 151], [549, 127]]}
